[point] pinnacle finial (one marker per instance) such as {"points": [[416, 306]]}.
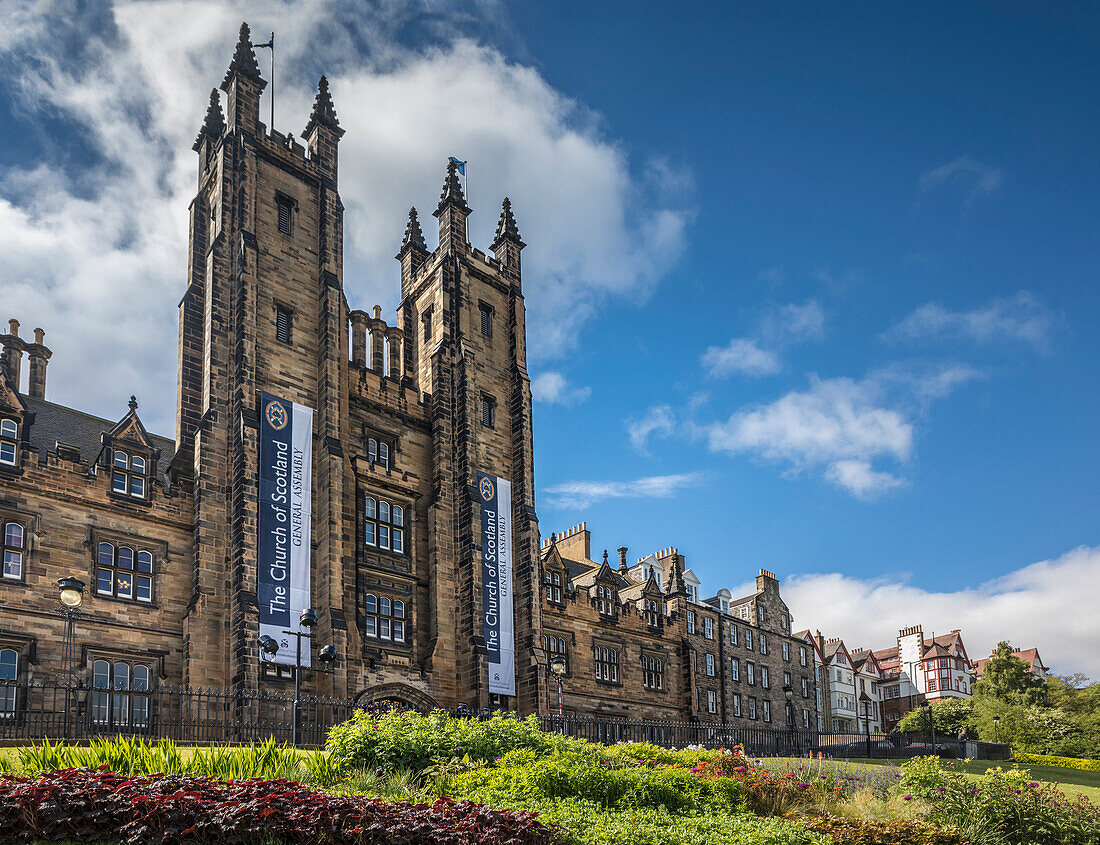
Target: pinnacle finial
{"points": [[414, 237], [452, 190], [244, 60], [214, 123], [506, 226], [324, 112], [133, 403], [605, 557]]}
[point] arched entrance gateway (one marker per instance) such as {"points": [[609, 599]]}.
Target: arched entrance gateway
{"points": [[395, 697]]}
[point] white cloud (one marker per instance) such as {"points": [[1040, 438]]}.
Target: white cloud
{"points": [[759, 355], [1050, 605], [839, 425], [582, 494], [740, 355], [552, 388], [975, 178], [659, 421], [1020, 318], [93, 241]]}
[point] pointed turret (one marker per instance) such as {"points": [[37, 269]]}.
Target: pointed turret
{"points": [[414, 237], [243, 85], [452, 211], [213, 124], [507, 243], [323, 133]]}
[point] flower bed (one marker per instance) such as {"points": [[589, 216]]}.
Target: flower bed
{"points": [[93, 805]]}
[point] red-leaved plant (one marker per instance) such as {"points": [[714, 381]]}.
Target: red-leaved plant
{"points": [[89, 805]]}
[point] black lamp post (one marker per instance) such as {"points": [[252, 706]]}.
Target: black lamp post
{"points": [[71, 595], [557, 667], [269, 647], [865, 707], [927, 708], [788, 693], [996, 728]]}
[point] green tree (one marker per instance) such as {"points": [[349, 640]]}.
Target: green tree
{"points": [[1006, 676], [949, 715]]}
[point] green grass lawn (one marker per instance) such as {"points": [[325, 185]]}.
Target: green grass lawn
{"points": [[1071, 782]]}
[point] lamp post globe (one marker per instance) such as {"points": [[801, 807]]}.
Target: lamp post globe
{"points": [[557, 666], [308, 618], [71, 591], [269, 645], [327, 655]]}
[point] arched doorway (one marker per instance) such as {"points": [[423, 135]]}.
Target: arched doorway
{"points": [[395, 697]]}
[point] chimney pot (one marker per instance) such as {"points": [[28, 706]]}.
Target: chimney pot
{"points": [[13, 327], [39, 336]]}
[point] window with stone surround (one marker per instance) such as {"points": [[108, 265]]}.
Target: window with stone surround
{"points": [[805, 688], [748, 640], [9, 441], [555, 647], [709, 663], [750, 673], [384, 618], [285, 207], [653, 672], [605, 600], [15, 550], [708, 627], [765, 677], [786, 651], [712, 701], [488, 411], [284, 325], [691, 621], [426, 322], [652, 613], [802, 655], [9, 674], [752, 708], [737, 704], [763, 644], [486, 312], [120, 693], [735, 669], [733, 635], [124, 572], [553, 586], [767, 705], [806, 719], [383, 525], [606, 661], [128, 474], [379, 451]]}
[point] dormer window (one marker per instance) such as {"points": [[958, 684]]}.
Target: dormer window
{"points": [[128, 474], [553, 587], [652, 613], [9, 441], [692, 595], [605, 598]]}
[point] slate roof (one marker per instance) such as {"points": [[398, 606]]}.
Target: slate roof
{"points": [[56, 423]]}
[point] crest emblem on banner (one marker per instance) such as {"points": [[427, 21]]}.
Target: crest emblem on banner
{"points": [[276, 415], [486, 488]]}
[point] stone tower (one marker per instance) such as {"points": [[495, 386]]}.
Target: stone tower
{"points": [[264, 310]]}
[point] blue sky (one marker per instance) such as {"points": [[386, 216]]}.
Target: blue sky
{"points": [[809, 290]]}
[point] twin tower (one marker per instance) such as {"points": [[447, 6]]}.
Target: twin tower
{"points": [[405, 416]]}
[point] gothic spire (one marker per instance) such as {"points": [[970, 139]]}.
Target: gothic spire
{"points": [[506, 226], [452, 190], [324, 112], [414, 237], [214, 123], [244, 60]]}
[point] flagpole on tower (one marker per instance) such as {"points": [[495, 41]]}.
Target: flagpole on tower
{"points": [[270, 45]]}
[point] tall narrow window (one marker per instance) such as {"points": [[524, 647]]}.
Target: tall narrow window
{"points": [[9, 672], [285, 207], [763, 644], [120, 693], [710, 665], [606, 661], [383, 524], [752, 708], [553, 587], [128, 474], [712, 701], [384, 618], [802, 655], [9, 434], [488, 411], [733, 635], [750, 673], [284, 324], [708, 627], [555, 646], [652, 613], [123, 573], [605, 598], [691, 621], [767, 710], [737, 704], [786, 650], [735, 669], [426, 321], [378, 452], [14, 539], [653, 673], [765, 677], [486, 319]]}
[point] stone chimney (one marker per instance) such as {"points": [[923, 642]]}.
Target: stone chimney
{"points": [[12, 358], [38, 356]]}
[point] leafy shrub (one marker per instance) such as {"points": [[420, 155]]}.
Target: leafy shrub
{"points": [[898, 832], [1064, 762], [407, 740], [646, 753], [88, 806], [586, 823], [590, 776]]}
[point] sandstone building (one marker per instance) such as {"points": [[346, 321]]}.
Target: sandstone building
{"points": [[164, 532]]}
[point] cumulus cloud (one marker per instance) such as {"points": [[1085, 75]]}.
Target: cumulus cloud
{"points": [[582, 494], [974, 178], [759, 355], [1020, 318], [659, 421], [554, 389], [840, 426], [93, 236], [1049, 604]]}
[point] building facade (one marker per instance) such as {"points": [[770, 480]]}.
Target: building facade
{"points": [[406, 413], [919, 669]]}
